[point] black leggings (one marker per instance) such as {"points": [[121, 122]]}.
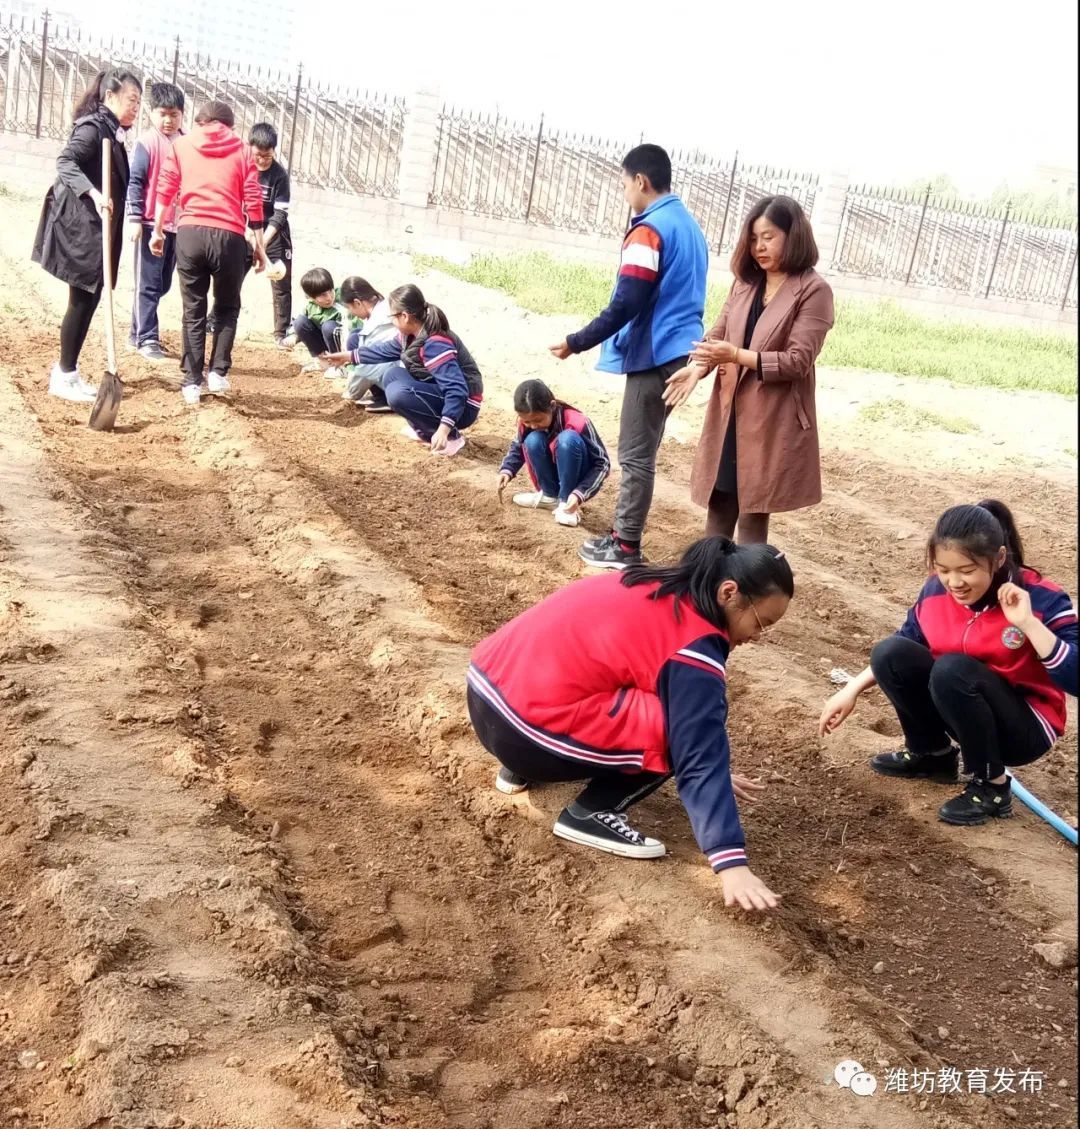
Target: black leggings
{"points": [[957, 696], [76, 324], [606, 790]]}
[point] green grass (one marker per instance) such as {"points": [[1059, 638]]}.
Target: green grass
{"points": [[867, 335], [909, 417]]}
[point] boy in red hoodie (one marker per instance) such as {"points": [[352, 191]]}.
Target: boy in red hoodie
{"points": [[220, 197]]}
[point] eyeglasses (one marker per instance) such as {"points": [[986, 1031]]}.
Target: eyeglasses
{"points": [[761, 627]]}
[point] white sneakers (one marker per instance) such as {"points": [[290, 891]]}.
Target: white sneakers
{"points": [[70, 386], [311, 367], [215, 384], [535, 500], [567, 517]]}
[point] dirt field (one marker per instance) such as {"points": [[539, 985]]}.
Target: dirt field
{"points": [[253, 874]]}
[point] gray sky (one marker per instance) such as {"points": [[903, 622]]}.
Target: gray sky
{"points": [[889, 91]]}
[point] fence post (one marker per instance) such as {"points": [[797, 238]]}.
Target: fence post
{"points": [[1068, 278], [997, 250], [295, 111], [41, 74], [536, 165], [830, 203], [727, 203], [918, 233], [420, 149], [176, 60]]}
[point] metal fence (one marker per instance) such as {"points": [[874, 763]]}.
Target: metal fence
{"points": [[489, 165], [338, 138], [920, 240]]}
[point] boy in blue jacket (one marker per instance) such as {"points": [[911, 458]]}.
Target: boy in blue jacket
{"points": [[650, 325], [153, 274]]}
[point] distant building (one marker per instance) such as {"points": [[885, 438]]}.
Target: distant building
{"points": [[1054, 180]]}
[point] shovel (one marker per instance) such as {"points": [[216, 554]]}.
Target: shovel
{"points": [[111, 388]]}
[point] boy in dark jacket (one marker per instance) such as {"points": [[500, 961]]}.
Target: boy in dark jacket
{"points": [[274, 182], [153, 274]]}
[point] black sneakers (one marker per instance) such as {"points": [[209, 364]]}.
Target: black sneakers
{"points": [[978, 802], [509, 783], [607, 831], [609, 552], [932, 766]]}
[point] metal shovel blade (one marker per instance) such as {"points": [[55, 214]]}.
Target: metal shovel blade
{"points": [[110, 393]]}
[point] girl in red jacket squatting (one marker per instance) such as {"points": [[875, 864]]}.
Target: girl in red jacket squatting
{"points": [[633, 692], [985, 658]]}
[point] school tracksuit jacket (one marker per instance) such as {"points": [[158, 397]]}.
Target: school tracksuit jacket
{"points": [[656, 309], [608, 677], [564, 418], [938, 622]]}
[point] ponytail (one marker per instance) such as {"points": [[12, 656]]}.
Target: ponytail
{"points": [[980, 532], [110, 81], [758, 571], [409, 299]]}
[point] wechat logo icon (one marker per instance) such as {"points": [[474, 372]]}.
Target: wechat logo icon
{"points": [[849, 1075]]}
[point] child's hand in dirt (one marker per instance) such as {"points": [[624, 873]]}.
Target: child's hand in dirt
{"points": [[572, 504], [562, 350], [746, 788], [504, 480], [438, 440], [836, 711], [743, 888], [336, 358]]}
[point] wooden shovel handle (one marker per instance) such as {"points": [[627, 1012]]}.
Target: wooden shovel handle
{"points": [[106, 250]]}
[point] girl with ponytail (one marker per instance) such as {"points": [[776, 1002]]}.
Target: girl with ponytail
{"points": [[620, 680], [979, 669], [434, 382], [68, 243]]}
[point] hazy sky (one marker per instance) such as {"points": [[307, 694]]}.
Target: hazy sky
{"points": [[982, 92]]}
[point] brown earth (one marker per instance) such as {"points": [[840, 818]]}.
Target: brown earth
{"points": [[252, 870]]}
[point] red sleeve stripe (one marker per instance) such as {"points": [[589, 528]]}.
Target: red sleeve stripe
{"points": [[1063, 618], [1057, 656], [702, 662], [644, 273], [431, 363]]}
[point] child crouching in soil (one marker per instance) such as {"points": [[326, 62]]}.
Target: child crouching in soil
{"points": [[433, 380], [984, 659], [565, 456]]}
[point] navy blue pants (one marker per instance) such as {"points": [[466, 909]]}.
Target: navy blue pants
{"points": [[319, 339], [421, 403], [153, 279], [560, 476]]}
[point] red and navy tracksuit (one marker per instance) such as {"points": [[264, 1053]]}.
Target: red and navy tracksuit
{"points": [[567, 459], [966, 673], [602, 682], [435, 380]]}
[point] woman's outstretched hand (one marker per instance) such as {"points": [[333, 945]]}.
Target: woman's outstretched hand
{"points": [[680, 384], [743, 888]]}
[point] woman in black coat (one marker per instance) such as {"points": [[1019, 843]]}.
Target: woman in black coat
{"points": [[68, 242]]}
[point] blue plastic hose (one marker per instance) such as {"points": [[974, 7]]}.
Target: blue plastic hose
{"points": [[1039, 808]]}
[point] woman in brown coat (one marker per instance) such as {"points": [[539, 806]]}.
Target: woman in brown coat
{"points": [[758, 452]]}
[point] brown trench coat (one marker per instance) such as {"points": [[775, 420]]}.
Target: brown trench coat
{"points": [[778, 464]]}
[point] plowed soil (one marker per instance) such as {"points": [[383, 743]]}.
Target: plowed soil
{"points": [[253, 873]]}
